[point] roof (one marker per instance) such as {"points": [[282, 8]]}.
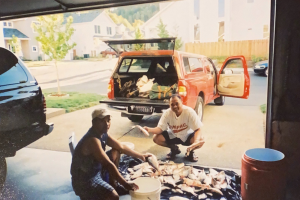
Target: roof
{"points": [[9, 32], [85, 17]]}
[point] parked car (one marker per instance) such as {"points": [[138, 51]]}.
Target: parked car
{"points": [[196, 77], [261, 68], [108, 51], [22, 109]]}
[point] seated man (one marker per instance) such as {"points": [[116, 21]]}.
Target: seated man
{"points": [[178, 125], [91, 166]]}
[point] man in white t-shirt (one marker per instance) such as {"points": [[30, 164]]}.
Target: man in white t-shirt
{"points": [[179, 124]]}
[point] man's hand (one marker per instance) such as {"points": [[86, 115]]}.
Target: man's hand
{"points": [[132, 186], [145, 156]]}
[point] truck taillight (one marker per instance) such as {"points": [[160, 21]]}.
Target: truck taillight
{"points": [[182, 91], [110, 89], [44, 103]]}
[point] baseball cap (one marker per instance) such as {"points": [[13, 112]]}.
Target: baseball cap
{"points": [[100, 113]]}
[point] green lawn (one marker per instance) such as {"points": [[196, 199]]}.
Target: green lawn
{"points": [[263, 108], [76, 101]]}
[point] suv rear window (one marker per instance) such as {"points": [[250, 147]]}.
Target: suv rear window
{"points": [[13, 76]]}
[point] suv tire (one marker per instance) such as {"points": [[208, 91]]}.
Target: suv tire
{"points": [[220, 100], [200, 107], [3, 172], [136, 118]]}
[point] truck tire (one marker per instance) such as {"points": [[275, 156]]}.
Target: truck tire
{"points": [[220, 100], [200, 107], [136, 118], [3, 172]]}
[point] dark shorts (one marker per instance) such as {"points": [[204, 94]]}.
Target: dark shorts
{"points": [[177, 140]]}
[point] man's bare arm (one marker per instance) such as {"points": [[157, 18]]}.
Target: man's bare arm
{"points": [[155, 130], [95, 148], [123, 148]]}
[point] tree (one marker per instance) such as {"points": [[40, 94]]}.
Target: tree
{"points": [[53, 35], [15, 44], [137, 23], [138, 35], [178, 41], [163, 33], [119, 19]]}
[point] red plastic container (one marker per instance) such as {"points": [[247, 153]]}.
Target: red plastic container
{"points": [[263, 175]]}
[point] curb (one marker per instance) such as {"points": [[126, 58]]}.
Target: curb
{"points": [[53, 112]]}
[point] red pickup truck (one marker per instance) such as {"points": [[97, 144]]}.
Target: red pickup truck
{"points": [[197, 79]]}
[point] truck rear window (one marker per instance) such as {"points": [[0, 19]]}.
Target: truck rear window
{"points": [[142, 65]]}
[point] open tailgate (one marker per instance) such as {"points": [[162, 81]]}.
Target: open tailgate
{"points": [[120, 46]]}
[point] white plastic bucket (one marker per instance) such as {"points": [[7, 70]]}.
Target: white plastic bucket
{"points": [[149, 189], [128, 144]]}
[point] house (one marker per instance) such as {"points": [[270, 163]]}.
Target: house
{"points": [[181, 18], [234, 20], [91, 28], [21, 28]]}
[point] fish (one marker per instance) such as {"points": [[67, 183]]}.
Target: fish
{"points": [[137, 173], [137, 167], [142, 130], [192, 176], [179, 166], [223, 185], [161, 179], [165, 188], [202, 196], [201, 176], [130, 170], [184, 173], [213, 172], [194, 183], [169, 180], [152, 160], [188, 189], [215, 190], [177, 171], [221, 176], [176, 178], [208, 180], [177, 198], [147, 170], [177, 191]]}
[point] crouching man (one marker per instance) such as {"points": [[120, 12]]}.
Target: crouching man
{"points": [[178, 125], [95, 172]]}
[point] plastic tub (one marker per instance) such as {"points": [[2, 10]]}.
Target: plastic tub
{"points": [[263, 175], [149, 189]]}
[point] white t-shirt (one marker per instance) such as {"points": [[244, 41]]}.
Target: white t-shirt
{"points": [[182, 126]]}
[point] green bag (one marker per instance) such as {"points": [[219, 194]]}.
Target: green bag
{"points": [[162, 92]]}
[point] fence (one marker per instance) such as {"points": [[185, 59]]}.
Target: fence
{"points": [[247, 48]]}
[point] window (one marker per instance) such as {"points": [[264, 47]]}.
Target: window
{"points": [[221, 8], [195, 65], [209, 67], [109, 31], [140, 65], [186, 65], [4, 23], [266, 33], [13, 76], [9, 24], [34, 48], [97, 29], [221, 31], [125, 65]]}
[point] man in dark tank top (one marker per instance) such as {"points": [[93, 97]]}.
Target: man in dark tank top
{"points": [[90, 161]]}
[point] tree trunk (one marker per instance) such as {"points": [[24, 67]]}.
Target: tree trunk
{"points": [[57, 77]]}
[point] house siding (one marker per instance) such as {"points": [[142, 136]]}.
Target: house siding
{"points": [[2, 44]]}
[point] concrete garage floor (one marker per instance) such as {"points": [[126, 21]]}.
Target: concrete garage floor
{"points": [[229, 131]]}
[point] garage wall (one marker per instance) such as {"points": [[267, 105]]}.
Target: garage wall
{"points": [[1, 35]]}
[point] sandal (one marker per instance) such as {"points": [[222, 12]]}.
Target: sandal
{"points": [[173, 153], [192, 157]]}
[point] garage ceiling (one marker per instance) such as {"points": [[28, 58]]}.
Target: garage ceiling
{"points": [[12, 9]]}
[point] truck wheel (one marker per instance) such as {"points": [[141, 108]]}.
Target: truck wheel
{"points": [[220, 100], [200, 107], [136, 118], [3, 171]]}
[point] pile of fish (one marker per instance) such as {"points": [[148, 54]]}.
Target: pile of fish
{"points": [[180, 178]]}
